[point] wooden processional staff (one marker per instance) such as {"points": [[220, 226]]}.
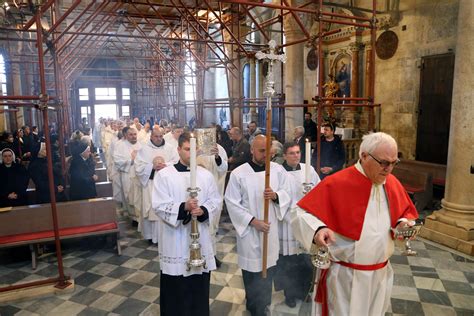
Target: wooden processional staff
{"points": [[268, 93]]}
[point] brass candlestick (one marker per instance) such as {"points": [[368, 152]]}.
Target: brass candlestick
{"points": [[195, 257]]}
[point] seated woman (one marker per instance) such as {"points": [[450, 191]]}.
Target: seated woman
{"points": [[82, 173], [15, 180], [38, 170]]}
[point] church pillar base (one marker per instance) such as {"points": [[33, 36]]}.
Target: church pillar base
{"points": [[454, 229]]}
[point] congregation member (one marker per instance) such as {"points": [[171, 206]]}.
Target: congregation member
{"points": [[294, 268], [184, 292], [153, 156], [310, 128], [240, 148], [38, 171], [15, 180], [298, 134], [123, 157], [352, 213], [253, 131], [82, 173], [244, 198], [333, 154]]}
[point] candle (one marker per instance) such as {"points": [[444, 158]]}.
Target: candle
{"points": [[192, 163], [307, 161]]}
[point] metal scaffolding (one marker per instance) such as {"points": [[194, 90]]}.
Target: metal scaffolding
{"points": [[162, 39]]}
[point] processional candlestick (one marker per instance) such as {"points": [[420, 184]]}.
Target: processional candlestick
{"points": [[268, 93]]}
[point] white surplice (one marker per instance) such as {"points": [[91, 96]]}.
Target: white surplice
{"points": [[219, 172], [355, 292], [288, 244], [244, 200], [112, 172], [144, 169], [169, 191], [169, 138], [122, 157], [143, 136]]}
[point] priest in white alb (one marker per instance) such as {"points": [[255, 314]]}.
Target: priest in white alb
{"points": [[124, 158], [244, 199], [352, 213], [173, 135], [154, 155], [184, 292], [294, 268]]}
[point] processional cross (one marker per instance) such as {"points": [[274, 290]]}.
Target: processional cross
{"points": [[268, 93]]}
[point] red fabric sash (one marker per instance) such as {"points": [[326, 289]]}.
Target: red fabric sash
{"points": [[322, 289]]}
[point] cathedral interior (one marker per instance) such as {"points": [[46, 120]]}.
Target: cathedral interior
{"points": [[403, 67]]}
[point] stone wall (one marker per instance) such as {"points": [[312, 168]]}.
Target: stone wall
{"points": [[425, 27], [430, 29]]}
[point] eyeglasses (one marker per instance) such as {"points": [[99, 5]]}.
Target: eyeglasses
{"points": [[385, 163]]}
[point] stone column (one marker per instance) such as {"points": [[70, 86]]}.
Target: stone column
{"points": [[453, 225], [294, 77]]}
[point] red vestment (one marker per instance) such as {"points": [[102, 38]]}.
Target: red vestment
{"points": [[340, 201]]}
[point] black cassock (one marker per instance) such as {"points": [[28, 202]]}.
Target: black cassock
{"points": [[13, 179], [82, 183]]}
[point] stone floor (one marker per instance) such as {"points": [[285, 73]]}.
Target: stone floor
{"points": [[436, 282]]}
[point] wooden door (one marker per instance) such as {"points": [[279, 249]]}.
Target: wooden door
{"points": [[434, 112]]}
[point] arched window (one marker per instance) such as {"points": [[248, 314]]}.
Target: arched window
{"points": [[3, 76], [246, 85]]}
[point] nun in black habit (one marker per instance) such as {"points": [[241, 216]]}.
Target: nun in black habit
{"points": [[82, 173]]}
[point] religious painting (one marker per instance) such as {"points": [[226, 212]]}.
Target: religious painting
{"points": [[341, 70]]}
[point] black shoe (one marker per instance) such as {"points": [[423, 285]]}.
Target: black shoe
{"points": [[290, 302], [218, 262]]}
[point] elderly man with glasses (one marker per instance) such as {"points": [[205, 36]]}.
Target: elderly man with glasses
{"points": [[351, 213]]}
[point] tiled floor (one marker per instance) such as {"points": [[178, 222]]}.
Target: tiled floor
{"points": [[437, 282]]}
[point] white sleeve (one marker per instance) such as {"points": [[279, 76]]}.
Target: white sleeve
{"points": [[222, 168], [304, 226], [213, 202], [239, 215], [122, 158], [284, 199], [143, 168], [162, 202]]}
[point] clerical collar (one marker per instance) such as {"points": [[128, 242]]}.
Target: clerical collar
{"points": [[289, 168], [255, 167], [180, 167]]}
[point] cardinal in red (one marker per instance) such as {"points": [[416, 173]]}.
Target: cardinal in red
{"points": [[352, 213]]}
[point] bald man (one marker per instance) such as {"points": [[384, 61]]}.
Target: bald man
{"points": [[244, 199]]}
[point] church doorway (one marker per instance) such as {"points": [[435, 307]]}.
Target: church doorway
{"points": [[434, 113], [105, 111]]}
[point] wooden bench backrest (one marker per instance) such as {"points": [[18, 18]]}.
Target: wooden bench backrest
{"points": [[411, 177], [102, 174], [37, 218], [436, 170]]}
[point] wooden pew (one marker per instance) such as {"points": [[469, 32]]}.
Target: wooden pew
{"points": [[418, 184], [102, 174], [32, 225], [104, 189], [437, 171], [99, 164]]}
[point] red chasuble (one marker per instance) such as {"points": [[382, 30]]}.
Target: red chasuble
{"points": [[341, 200]]}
